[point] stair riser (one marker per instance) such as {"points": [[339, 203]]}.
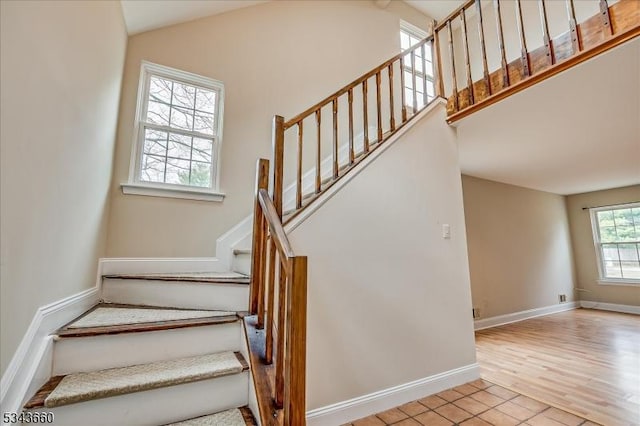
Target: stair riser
{"points": [[227, 297], [157, 406], [76, 354], [242, 263]]}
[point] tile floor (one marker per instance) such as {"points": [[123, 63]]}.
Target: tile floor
{"points": [[478, 403]]}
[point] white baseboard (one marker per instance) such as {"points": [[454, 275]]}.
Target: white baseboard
{"points": [[366, 405], [625, 309], [481, 324], [159, 265], [31, 364]]}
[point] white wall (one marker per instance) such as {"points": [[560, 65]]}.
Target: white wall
{"points": [[584, 250], [274, 58], [388, 297], [519, 247], [61, 74]]}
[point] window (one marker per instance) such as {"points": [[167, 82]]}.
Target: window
{"points": [[616, 233], [410, 35], [177, 135]]}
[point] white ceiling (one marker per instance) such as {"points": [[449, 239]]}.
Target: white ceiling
{"points": [[576, 132], [145, 15]]}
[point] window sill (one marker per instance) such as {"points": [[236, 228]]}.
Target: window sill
{"points": [[621, 282], [166, 192]]}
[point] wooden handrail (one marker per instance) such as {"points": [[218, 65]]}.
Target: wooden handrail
{"points": [[353, 84], [288, 392]]}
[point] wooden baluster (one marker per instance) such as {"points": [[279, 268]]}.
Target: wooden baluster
{"points": [[402, 90], [278, 162], [524, 55], [392, 114], [318, 152], [483, 48], [257, 269], [456, 106], [573, 27], [503, 52], [352, 154], [379, 105], [413, 82], [295, 393], [335, 138], [280, 346], [545, 32], [424, 74], [465, 46], [299, 168], [606, 19], [365, 115], [264, 230], [438, 68], [271, 254]]}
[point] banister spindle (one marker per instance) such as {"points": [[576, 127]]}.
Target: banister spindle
{"points": [[271, 255], [262, 254], [438, 63], [573, 27], [365, 115], [545, 32], [318, 151], [299, 168], [453, 67], [280, 346], [414, 90], [503, 52], [257, 269], [335, 137], [392, 114], [278, 162], [379, 105], [402, 90], [524, 55], [606, 19], [352, 155], [465, 46], [424, 74], [483, 49]]}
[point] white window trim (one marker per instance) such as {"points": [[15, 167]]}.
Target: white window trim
{"points": [[602, 280], [137, 187], [421, 35]]}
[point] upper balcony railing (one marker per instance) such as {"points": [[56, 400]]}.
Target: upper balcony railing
{"points": [[519, 43]]}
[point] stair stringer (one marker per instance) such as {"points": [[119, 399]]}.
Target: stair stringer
{"points": [[239, 236]]}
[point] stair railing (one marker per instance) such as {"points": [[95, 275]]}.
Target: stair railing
{"points": [[273, 259], [361, 117], [611, 26]]}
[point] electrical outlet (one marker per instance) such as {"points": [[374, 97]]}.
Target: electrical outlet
{"points": [[562, 298], [476, 313]]}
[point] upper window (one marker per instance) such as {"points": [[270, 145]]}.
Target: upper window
{"points": [[616, 233], [178, 131], [410, 35]]}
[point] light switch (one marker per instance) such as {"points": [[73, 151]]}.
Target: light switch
{"points": [[446, 231]]}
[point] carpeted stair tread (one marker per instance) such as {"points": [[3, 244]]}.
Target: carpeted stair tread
{"points": [[79, 387], [231, 417], [105, 316], [201, 277]]}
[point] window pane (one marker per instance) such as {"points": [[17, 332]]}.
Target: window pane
{"points": [[429, 68], [155, 142], [612, 269], [427, 52], [626, 233], [182, 118], [404, 40], [180, 146], [605, 218], [200, 174], [408, 79], [608, 234], [152, 168], [158, 113], [430, 89], [184, 95], [610, 252], [631, 270], [635, 213], [177, 171], [623, 217], [628, 252], [160, 90], [202, 149], [205, 100], [203, 123]]}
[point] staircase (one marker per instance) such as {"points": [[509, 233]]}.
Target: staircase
{"points": [[158, 349]]}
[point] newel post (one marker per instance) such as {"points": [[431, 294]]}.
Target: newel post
{"points": [[257, 244]]}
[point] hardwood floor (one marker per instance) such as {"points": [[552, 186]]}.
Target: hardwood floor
{"points": [[584, 361]]}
